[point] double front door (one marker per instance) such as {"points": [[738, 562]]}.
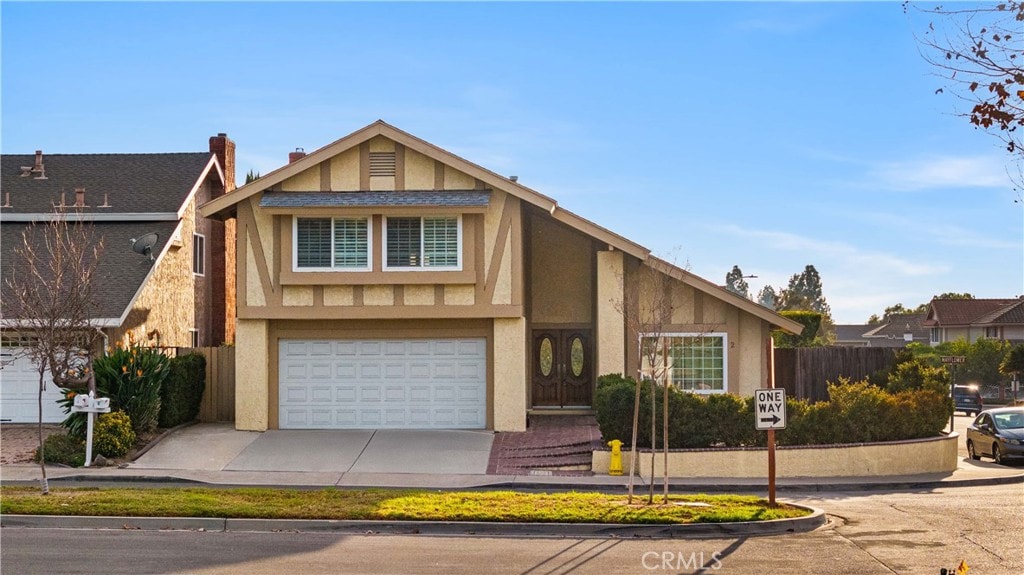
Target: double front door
{"points": [[562, 368]]}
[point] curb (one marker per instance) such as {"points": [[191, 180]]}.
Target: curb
{"points": [[903, 485], [437, 528]]}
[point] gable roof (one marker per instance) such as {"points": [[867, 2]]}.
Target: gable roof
{"points": [[130, 183], [120, 272], [223, 205], [127, 196], [950, 312]]}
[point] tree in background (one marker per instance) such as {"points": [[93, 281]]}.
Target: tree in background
{"points": [[251, 177], [1013, 363], [978, 50], [804, 293], [735, 282], [767, 297], [50, 305]]}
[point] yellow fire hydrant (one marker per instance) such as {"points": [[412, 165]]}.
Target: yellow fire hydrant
{"points": [[615, 464]]}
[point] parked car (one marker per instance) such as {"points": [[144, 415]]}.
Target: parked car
{"points": [[967, 399], [997, 433]]}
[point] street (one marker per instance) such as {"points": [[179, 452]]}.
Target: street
{"points": [[871, 532]]}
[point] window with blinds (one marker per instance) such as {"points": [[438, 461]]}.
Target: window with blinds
{"points": [[332, 243], [431, 242]]}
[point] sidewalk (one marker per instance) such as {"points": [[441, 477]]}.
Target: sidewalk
{"points": [[967, 473], [216, 454]]}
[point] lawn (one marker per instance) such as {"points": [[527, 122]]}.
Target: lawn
{"points": [[391, 504]]}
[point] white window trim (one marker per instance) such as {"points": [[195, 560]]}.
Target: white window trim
{"points": [[202, 256], [384, 248], [369, 245], [725, 358]]}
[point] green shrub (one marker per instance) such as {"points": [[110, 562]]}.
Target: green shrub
{"points": [[113, 435], [613, 404], [182, 391], [63, 449], [858, 412], [811, 321], [131, 377]]}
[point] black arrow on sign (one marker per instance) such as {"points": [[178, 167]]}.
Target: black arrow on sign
{"points": [[772, 420]]}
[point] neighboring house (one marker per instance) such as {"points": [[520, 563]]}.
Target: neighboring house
{"points": [[972, 319], [182, 296], [385, 282], [895, 331]]}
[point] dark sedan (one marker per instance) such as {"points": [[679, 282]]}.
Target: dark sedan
{"points": [[997, 433]]}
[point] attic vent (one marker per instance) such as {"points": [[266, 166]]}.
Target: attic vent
{"points": [[382, 164]]}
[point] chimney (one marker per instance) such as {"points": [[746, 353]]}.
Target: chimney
{"points": [[80, 198], [298, 154], [222, 147], [38, 169]]}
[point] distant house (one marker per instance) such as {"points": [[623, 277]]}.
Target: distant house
{"points": [[180, 296], [895, 331], [385, 282], [972, 319]]}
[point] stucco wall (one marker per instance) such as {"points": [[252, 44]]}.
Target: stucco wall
{"points": [[509, 374], [165, 311], [561, 275], [611, 341], [251, 375], [934, 455]]}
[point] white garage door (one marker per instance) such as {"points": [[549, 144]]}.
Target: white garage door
{"points": [[414, 384], [19, 392]]}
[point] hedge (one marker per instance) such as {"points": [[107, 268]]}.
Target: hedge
{"points": [[858, 412], [182, 391]]}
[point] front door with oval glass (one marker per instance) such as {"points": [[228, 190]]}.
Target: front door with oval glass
{"points": [[562, 368]]}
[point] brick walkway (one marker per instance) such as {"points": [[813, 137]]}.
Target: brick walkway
{"points": [[18, 441], [551, 445]]}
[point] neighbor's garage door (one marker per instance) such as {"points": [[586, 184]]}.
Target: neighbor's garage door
{"points": [[19, 392], [415, 384]]}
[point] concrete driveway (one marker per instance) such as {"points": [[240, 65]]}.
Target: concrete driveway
{"points": [[219, 447]]}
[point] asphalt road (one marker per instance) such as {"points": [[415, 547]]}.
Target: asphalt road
{"points": [[871, 533]]}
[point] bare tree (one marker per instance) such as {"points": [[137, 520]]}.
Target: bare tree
{"points": [[49, 303], [978, 50], [649, 302]]}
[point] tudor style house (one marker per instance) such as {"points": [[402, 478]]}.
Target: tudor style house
{"points": [[178, 293], [384, 282]]}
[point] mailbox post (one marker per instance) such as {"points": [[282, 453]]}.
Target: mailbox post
{"points": [[90, 406]]}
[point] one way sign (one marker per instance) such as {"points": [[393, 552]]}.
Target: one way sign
{"points": [[770, 409]]}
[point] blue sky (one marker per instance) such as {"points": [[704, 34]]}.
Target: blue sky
{"points": [[769, 136]]}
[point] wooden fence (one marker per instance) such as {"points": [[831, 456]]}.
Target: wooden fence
{"points": [[219, 397], [805, 371]]}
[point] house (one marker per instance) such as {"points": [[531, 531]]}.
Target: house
{"points": [[178, 293], [972, 319], [384, 282], [895, 331]]}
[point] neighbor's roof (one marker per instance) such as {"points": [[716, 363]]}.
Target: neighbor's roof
{"points": [[120, 271], [853, 332], [224, 205], [127, 196], [898, 325], [131, 183], [949, 312]]}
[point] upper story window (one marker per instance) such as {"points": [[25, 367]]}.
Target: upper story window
{"points": [[198, 254], [332, 244], [935, 335], [426, 243]]}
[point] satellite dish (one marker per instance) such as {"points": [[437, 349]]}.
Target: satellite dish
{"points": [[144, 244]]}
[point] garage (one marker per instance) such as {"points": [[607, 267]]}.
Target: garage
{"points": [[19, 392], [400, 384]]}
